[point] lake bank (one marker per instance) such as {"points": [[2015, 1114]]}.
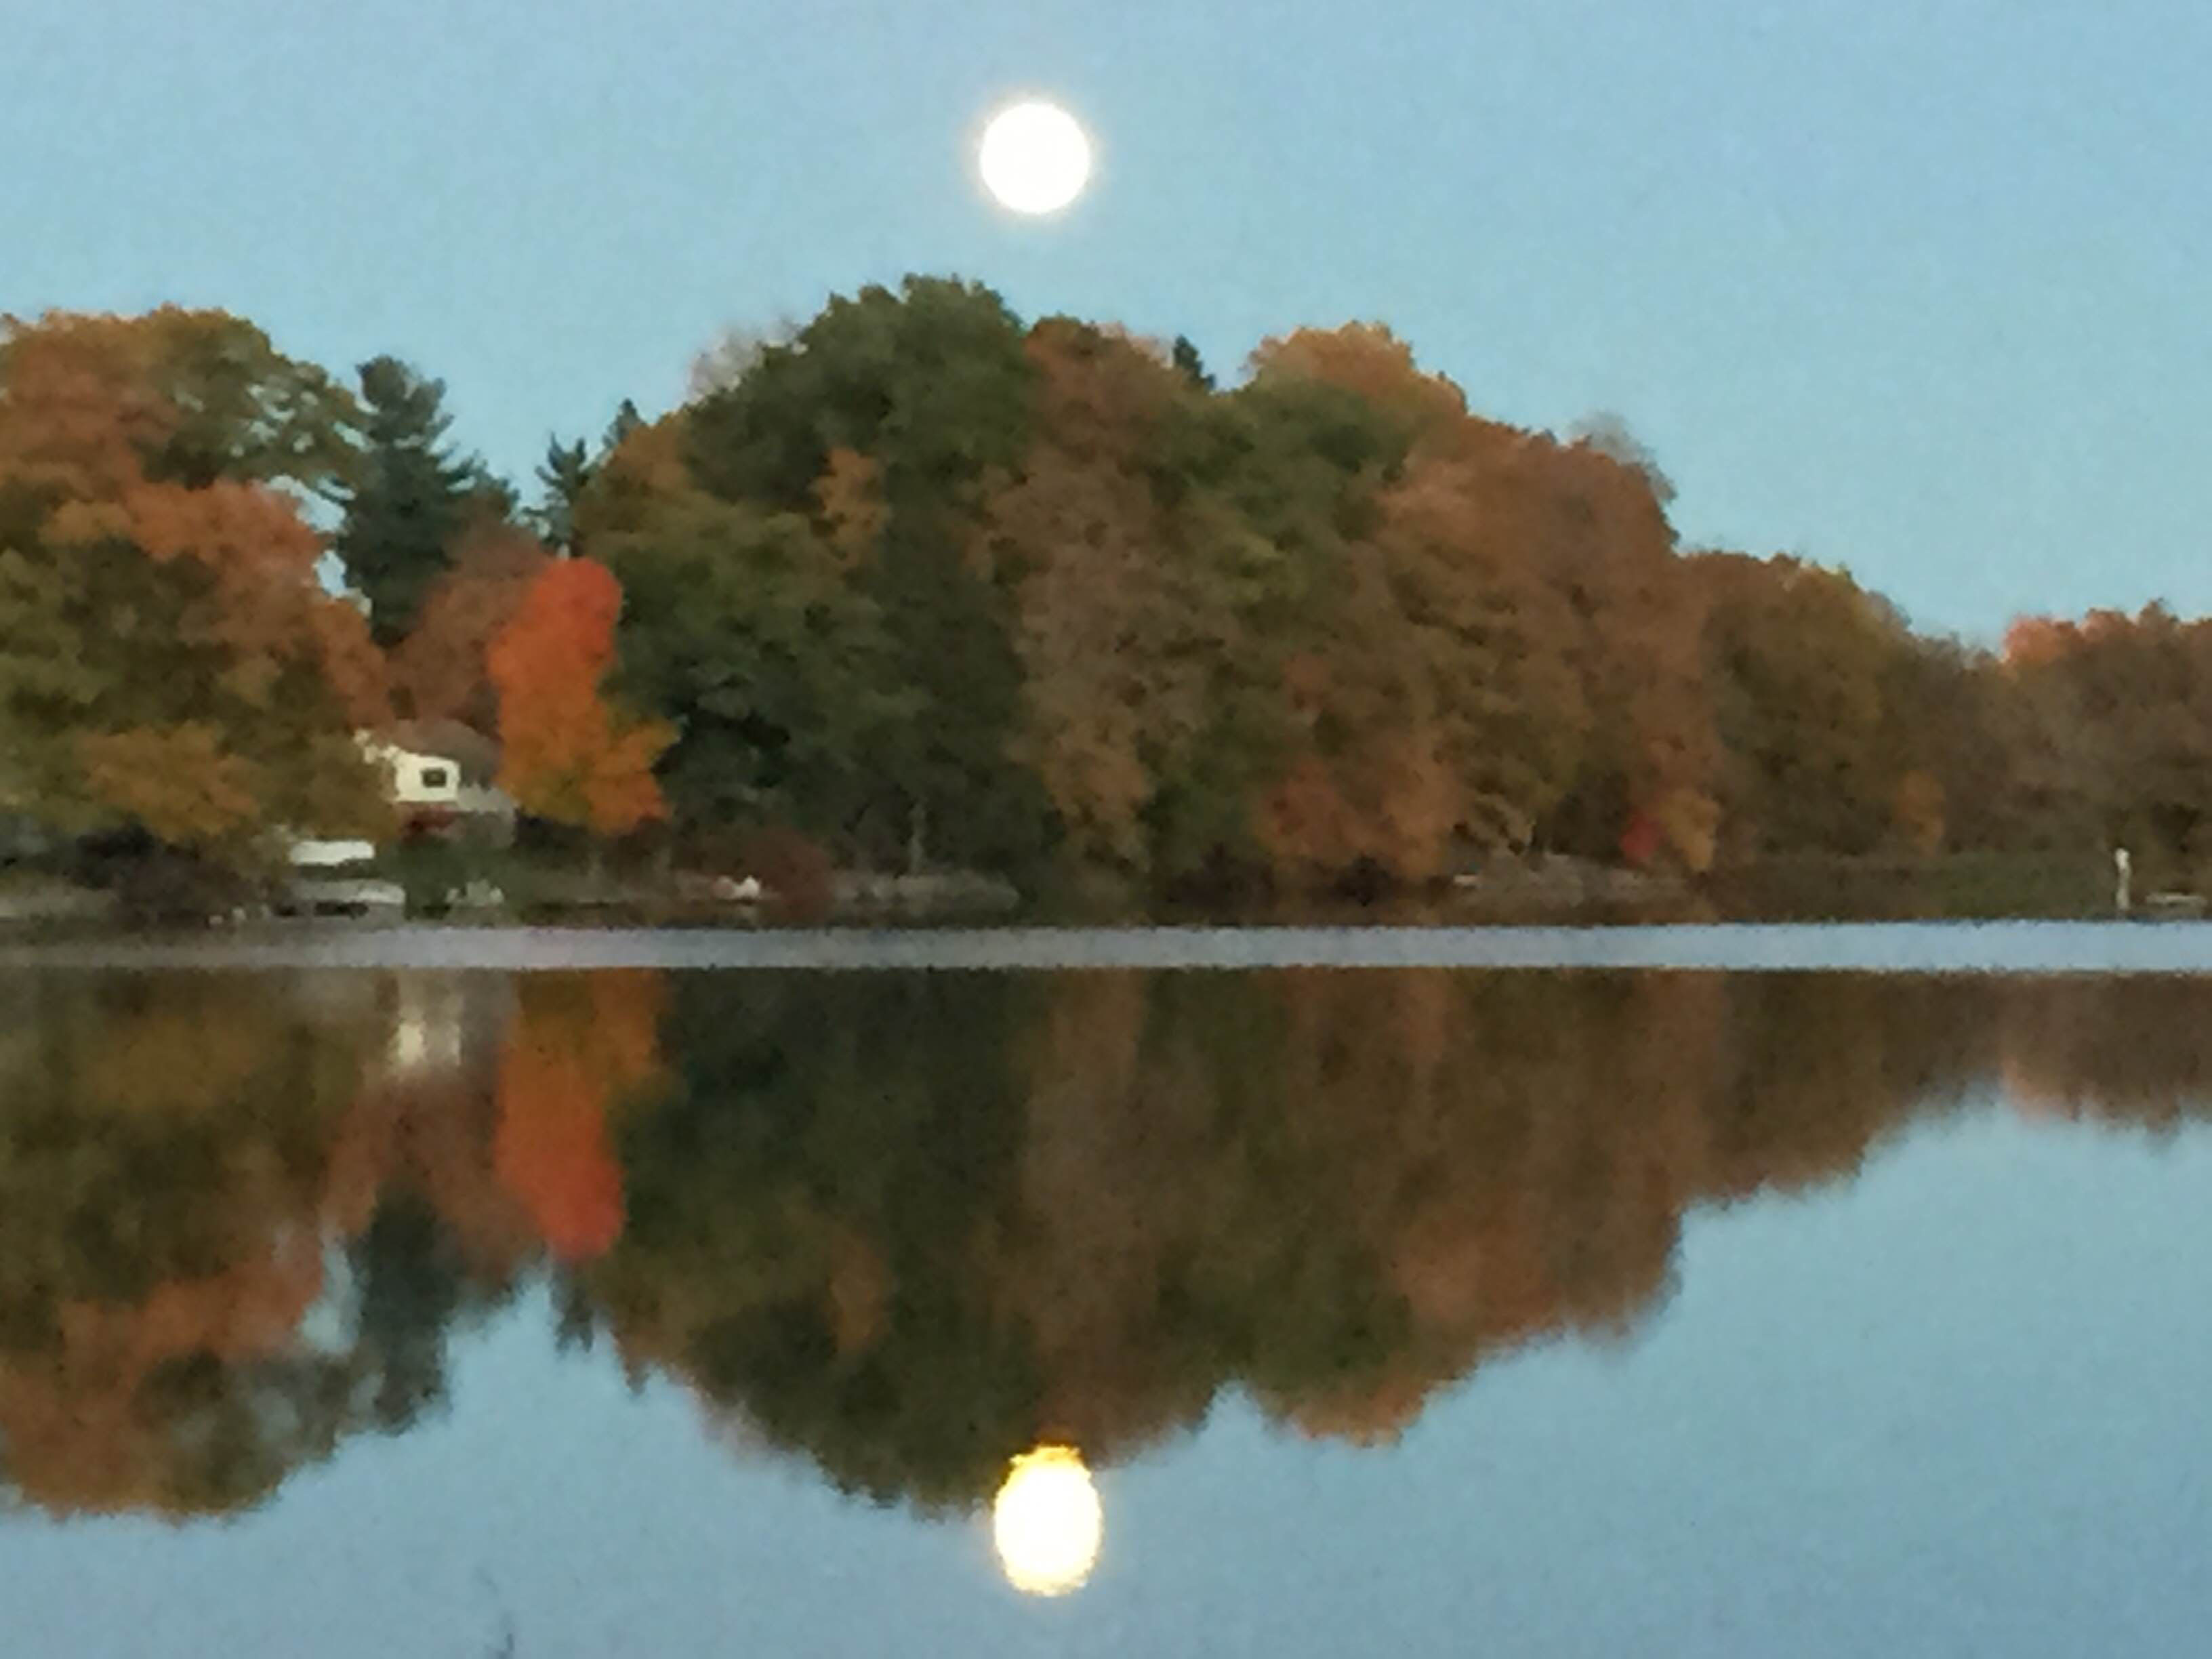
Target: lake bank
{"points": [[1536, 892]]}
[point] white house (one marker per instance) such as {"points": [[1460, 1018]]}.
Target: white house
{"points": [[441, 774], [416, 782]]}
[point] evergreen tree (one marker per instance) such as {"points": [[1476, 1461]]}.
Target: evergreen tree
{"points": [[627, 420], [1190, 365], [563, 477], [413, 496]]}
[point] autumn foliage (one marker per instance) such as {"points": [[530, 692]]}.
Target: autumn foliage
{"points": [[440, 671], [921, 584], [568, 755], [173, 660], [1049, 592]]}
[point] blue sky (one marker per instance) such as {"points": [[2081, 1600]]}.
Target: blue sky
{"points": [[1916, 286]]}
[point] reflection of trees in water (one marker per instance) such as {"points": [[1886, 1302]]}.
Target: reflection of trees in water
{"points": [[1818, 1066], [2132, 1051], [209, 1269], [160, 1144], [817, 1210], [1324, 1186], [911, 1226]]}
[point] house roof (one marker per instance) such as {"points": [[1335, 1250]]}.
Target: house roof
{"points": [[477, 755]]}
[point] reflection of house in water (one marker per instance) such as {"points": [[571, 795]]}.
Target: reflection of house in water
{"points": [[429, 1027]]}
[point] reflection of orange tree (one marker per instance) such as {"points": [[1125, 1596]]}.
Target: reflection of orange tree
{"points": [[578, 1044]]}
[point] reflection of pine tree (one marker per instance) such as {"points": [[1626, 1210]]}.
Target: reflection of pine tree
{"points": [[412, 1286], [577, 1316]]}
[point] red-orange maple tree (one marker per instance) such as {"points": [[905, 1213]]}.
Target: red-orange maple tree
{"points": [[569, 756]]}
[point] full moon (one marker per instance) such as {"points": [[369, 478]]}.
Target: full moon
{"points": [[1047, 1522], [1035, 158]]}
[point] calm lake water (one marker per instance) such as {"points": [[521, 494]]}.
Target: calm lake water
{"points": [[1056, 1301]]}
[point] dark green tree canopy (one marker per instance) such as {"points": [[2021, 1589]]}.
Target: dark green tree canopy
{"points": [[931, 382]]}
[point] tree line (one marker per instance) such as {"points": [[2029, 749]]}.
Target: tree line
{"points": [[918, 584]]}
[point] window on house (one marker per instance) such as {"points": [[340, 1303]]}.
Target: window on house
{"points": [[435, 777]]}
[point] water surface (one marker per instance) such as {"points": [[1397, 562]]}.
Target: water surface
{"points": [[2004, 947], [400, 1310]]}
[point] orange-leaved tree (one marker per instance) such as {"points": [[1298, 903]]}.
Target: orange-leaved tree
{"points": [[569, 756]]}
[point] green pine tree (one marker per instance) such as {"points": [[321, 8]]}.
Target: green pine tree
{"points": [[413, 496], [563, 478]]}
